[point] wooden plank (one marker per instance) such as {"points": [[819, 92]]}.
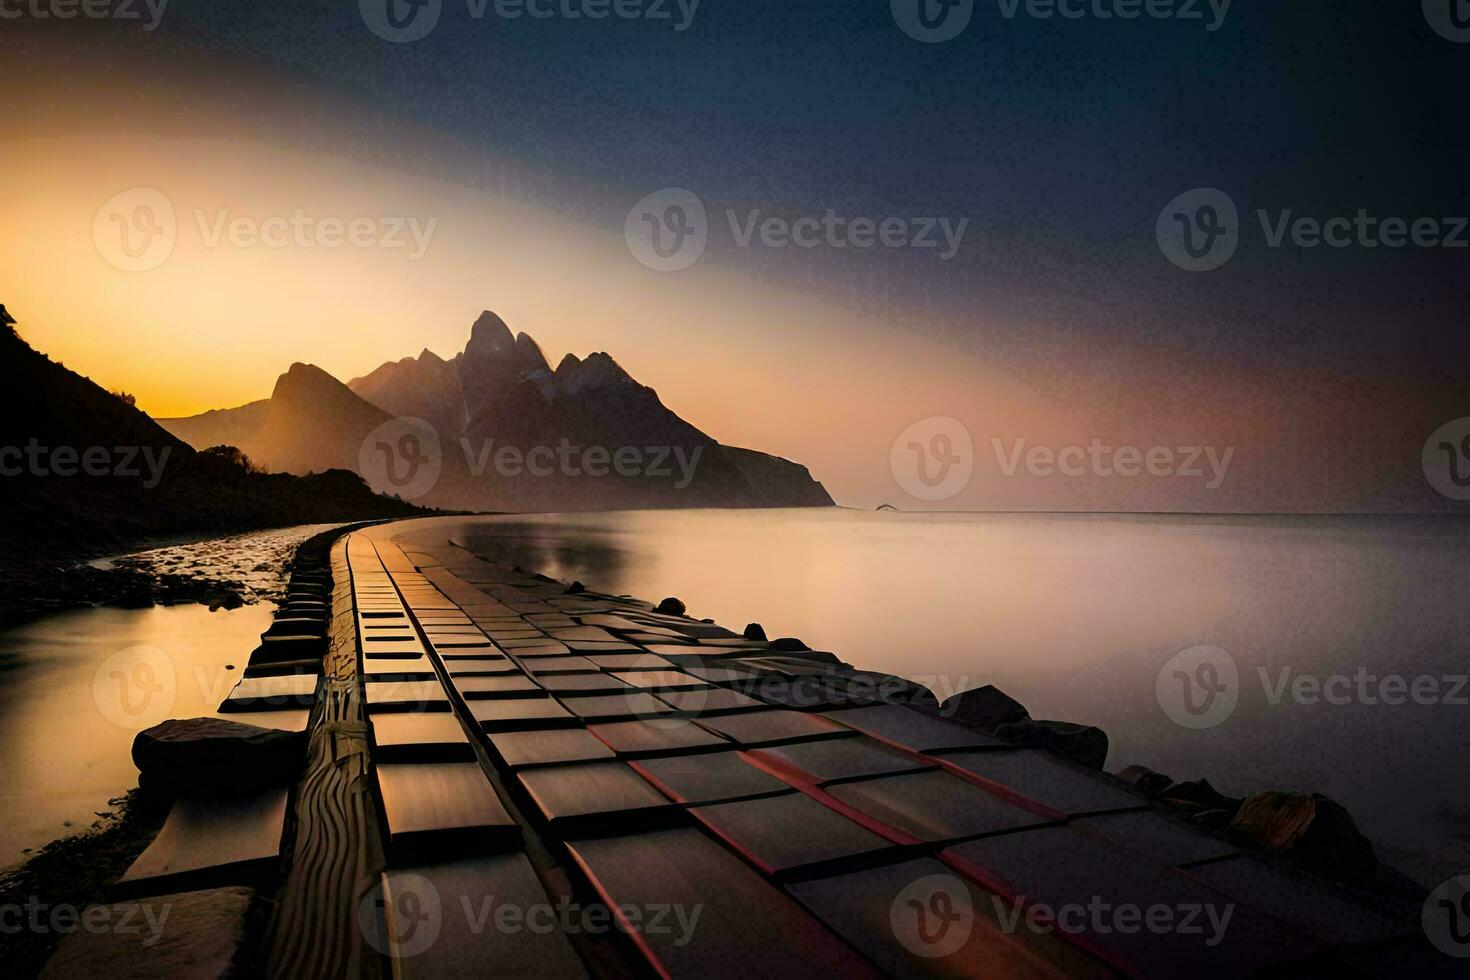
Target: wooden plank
{"points": [[422, 800], [746, 927], [211, 835]]}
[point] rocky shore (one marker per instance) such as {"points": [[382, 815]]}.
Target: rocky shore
{"points": [[219, 572]]}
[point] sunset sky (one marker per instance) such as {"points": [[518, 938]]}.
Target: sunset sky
{"points": [[523, 145]]}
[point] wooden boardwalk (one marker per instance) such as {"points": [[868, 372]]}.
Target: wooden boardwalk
{"points": [[508, 779]]}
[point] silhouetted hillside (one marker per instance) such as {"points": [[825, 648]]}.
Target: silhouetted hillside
{"points": [[84, 472]]}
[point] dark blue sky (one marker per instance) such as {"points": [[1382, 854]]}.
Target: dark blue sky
{"points": [[1059, 140]]}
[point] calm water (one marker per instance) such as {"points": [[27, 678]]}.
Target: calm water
{"points": [[1075, 616], [77, 686]]}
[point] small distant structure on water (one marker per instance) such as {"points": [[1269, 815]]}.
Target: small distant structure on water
{"points": [[887, 508]]}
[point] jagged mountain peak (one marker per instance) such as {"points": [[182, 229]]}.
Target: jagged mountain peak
{"points": [[488, 335], [530, 354], [594, 371], [306, 374]]}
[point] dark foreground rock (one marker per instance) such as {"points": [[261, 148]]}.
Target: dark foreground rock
{"points": [[194, 934], [991, 710], [1084, 744], [214, 754], [984, 708], [1311, 829]]}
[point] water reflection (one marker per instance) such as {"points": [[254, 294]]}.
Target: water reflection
{"points": [[587, 553], [1076, 616], [77, 686]]}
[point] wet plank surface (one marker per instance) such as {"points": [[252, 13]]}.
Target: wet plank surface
{"points": [[746, 927], [421, 799], [488, 917]]}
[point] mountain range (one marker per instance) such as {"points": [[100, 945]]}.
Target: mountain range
{"points": [[500, 429]]}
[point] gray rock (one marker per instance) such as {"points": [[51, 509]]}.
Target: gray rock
{"points": [[1310, 829], [193, 935], [670, 607], [789, 644], [754, 631], [1082, 744], [1146, 779], [985, 708], [1199, 795]]}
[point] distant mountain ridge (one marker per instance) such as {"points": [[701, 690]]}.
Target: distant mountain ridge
{"points": [[497, 413]]}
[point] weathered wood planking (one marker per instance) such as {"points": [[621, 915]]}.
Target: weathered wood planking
{"points": [[337, 859]]}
